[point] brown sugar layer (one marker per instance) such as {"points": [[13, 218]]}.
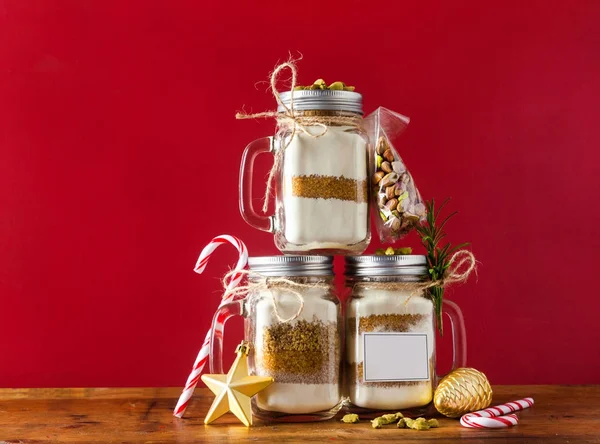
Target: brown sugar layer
{"points": [[330, 187], [301, 352], [355, 376], [385, 322]]}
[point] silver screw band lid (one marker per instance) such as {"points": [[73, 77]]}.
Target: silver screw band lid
{"points": [[279, 266], [381, 265], [323, 100]]}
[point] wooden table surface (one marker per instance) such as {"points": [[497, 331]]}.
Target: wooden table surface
{"points": [[561, 414]]}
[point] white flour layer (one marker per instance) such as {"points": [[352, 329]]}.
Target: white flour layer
{"points": [[324, 223], [391, 398], [298, 398]]}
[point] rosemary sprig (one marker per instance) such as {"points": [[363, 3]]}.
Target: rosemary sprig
{"points": [[431, 234]]}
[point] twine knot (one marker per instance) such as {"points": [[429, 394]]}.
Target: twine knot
{"points": [[257, 282]]}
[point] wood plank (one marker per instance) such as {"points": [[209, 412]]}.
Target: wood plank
{"points": [[95, 415]]}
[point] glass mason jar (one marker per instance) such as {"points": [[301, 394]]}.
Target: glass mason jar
{"points": [[302, 353], [321, 183], [390, 335]]}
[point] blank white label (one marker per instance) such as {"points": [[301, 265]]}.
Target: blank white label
{"points": [[395, 357]]}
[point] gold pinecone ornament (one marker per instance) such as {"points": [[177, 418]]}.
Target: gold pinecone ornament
{"points": [[462, 391]]}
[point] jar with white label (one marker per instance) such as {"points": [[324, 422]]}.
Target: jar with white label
{"points": [[321, 177], [390, 335]]}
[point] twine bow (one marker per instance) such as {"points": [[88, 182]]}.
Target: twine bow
{"points": [[290, 119]]}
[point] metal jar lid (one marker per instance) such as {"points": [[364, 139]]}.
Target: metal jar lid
{"points": [[323, 100], [278, 266], [381, 265]]}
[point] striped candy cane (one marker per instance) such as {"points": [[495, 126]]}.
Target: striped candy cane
{"points": [[192, 380], [497, 416]]}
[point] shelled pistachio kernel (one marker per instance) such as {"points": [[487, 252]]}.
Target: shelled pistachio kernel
{"points": [[417, 424], [390, 418], [319, 84], [390, 251], [350, 418], [433, 423], [404, 250]]}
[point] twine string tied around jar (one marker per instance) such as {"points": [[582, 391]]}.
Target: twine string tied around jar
{"points": [[257, 282], [460, 266]]}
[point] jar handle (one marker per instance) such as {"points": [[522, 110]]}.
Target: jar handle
{"points": [[259, 146], [223, 313], [459, 335]]}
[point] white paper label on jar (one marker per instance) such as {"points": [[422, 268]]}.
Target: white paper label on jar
{"points": [[395, 357]]}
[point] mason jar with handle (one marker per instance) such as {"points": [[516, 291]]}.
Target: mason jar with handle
{"points": [[321, 179], [292, 322], [390, 335]]}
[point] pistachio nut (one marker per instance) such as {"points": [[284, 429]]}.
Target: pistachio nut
{"points": [[417, 424], [391, 204], [382, 145], [390, 192], [386, 167], [339, 86], [320, 83], [377, 177], [350, 418], [398, 167], [388, 179], [388, 155]]}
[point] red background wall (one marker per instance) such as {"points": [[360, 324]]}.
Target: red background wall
{"points": [[119, 156]]}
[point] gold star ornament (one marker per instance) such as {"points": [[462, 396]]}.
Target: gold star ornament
{"points": [[234, 390]]}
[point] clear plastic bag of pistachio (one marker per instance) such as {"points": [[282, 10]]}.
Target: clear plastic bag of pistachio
{"points": [[395, 197]]}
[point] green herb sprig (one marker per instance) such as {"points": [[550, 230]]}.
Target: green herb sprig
{"points": [[432, 233]]}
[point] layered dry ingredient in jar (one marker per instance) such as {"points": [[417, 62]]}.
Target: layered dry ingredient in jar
{"points": [[325, 191], [325, 183], [302, 355], [391, 330]]}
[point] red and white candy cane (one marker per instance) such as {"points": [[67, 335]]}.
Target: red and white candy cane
{"points": [[497, 416], [192, 380]]}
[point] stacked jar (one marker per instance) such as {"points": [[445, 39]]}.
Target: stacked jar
{"points": [[390, 334], [321, 178], [292, 321]]}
